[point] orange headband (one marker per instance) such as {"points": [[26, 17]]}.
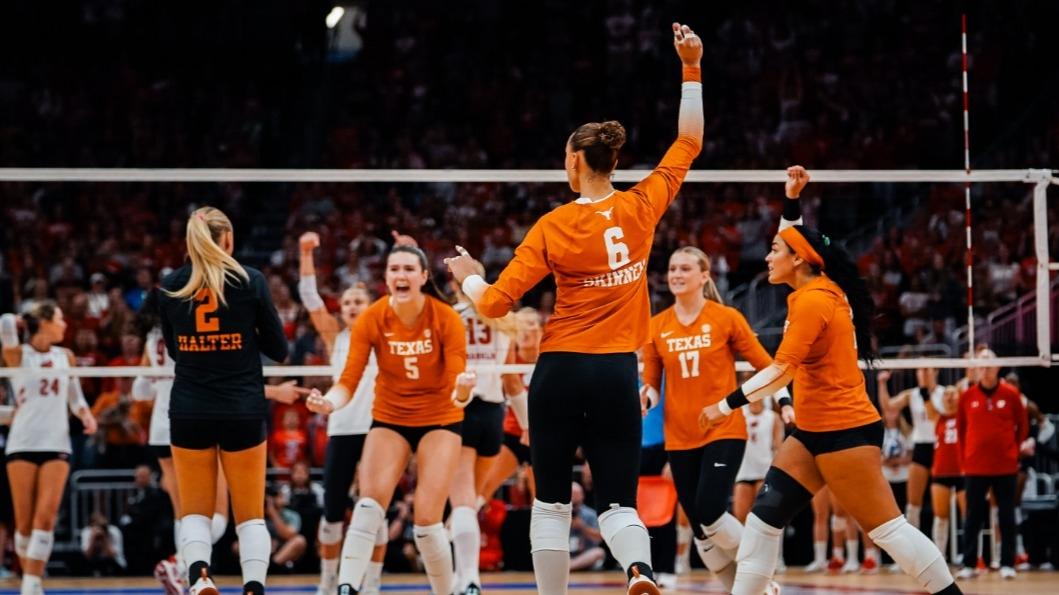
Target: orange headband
{"points": [[801, 246]]}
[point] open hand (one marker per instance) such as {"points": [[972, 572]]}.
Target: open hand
{"points": [[687, 44]]}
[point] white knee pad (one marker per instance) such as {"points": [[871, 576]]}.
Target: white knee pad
{"points": [[368, 515], [433, 546], [463, 520], [726, 532], [626, 536], [329, 533], [218, 525], [195, 542], [760, 547], [40, 544], [550, 527], [382, 536], [908, 546], [255, 547], [21, 544]]}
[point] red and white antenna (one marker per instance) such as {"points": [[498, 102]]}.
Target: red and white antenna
{"points": [[967, 190]]}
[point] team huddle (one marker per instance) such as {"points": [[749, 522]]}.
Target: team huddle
{"points": [[406, 385]]}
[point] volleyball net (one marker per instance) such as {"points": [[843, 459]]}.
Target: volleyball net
{"points": [[1030, 315]]}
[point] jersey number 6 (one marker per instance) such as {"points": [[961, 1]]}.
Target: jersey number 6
{"points": [[617, 252], [204, 323]]}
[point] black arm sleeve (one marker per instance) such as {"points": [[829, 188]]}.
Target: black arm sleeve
{"points": [[269, 328], [167, 333], [792, 209]]}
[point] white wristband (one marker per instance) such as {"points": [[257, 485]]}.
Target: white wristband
{"points": [[723, 407], [474, 286]]}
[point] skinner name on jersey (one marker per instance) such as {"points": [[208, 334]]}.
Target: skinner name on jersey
{"points": [[215, 342], [629, 274]]}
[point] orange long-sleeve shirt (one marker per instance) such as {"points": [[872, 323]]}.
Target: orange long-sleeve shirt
{"points": [[418, 364], [598, 253], [820, 344], [699, 363]]}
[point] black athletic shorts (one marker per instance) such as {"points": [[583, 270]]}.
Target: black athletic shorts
{"points": [[413, 434], [517, 448], [230, 435], [38, 457], [923, 454], [161, 451], [955, 481], [819, 443], [483, 427]]}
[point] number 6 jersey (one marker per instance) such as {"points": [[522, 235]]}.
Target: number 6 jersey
{"points": [[598, 252]]}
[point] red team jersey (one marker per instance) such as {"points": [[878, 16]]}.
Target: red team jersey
{"points": [[947, 448], [991, 427]]}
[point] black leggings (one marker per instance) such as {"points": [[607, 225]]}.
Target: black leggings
{"points": [[591, 401], [340, 465], [978, 512], [705, 477]]}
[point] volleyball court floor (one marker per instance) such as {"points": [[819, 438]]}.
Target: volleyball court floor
{"points": [[607, 583]]}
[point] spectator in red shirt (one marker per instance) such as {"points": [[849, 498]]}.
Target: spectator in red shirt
{"points": [[992, 423], [290, 442]]}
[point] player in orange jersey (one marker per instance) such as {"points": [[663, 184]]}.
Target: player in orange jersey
{"points": [[420, 346], [694, 342], [584, 389], [839, 433]]}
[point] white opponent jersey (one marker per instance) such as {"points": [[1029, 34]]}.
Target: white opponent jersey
{"points": [[922, 427], [485, 346], [42, 417], [758, 455], [159, 357], [355, 417]]}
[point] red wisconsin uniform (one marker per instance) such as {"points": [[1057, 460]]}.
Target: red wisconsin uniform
{"points": [[991, 427], [947, 461]]}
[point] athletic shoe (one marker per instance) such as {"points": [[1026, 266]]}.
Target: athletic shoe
{"points": [[473, 589], [326, 588], [204, 586], [1022, 562], [666, 580], [894, 568], [640, 585], [1047, 567], [682, 565], [773, 588], [815, 566], [870, 566], [346, 589], [835, 565], [850, 566], [1007, 573], [168, 574], [966, 573]]}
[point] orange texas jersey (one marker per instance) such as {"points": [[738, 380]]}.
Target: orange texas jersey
{"points": [[418, 364], [699, 362], [819, 343], [598, 252]]}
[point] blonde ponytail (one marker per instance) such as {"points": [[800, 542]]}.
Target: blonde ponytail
{"points": [[211, 266], [709, 289]]}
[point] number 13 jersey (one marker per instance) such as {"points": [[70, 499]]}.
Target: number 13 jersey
{"points": [[598, 253]]}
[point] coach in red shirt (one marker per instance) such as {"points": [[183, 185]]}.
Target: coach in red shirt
{"points": [[992, 423]]}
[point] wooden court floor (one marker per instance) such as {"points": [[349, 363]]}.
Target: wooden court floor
{"points": [[609, 583]]}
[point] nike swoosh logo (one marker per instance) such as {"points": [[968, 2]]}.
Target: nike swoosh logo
{"points": [[387, 334], [664, 335], [720, 465]]}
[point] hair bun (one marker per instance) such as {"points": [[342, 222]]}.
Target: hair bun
{"points": [[612, 134]]}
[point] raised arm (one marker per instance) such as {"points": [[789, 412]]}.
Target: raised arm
{"points": [[886, 402], [797, 178], [12, 348], [324, 323]]}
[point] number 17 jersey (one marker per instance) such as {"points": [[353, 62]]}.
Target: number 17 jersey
{"points": [[598, 252]]}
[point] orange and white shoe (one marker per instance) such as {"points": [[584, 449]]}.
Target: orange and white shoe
{"points": [[641, 585], [203, 586], [169, 575]]}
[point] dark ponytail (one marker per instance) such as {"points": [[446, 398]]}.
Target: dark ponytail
{"points": [[601, 142], [430, 287], [840, 268]]}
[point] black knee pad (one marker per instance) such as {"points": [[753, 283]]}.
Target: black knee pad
{"points": [[781, 498]]}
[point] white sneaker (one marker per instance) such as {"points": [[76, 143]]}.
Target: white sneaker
{"points": [[641, 585], [850, 566], [1047, 567], [169, 575], [773, 588], [666, 580], [1007, 573], [203, 586], [966, 573], [683, 564], [815, 566]]}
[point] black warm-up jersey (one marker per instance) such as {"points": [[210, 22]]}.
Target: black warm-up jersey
{"points": [[218, 348]]}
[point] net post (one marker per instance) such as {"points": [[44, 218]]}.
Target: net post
{"points": [[1044, 298]]}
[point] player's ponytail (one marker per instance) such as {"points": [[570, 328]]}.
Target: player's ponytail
{"points": [[709, 290], [840, 267], [211, 266], [38, 314]]}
